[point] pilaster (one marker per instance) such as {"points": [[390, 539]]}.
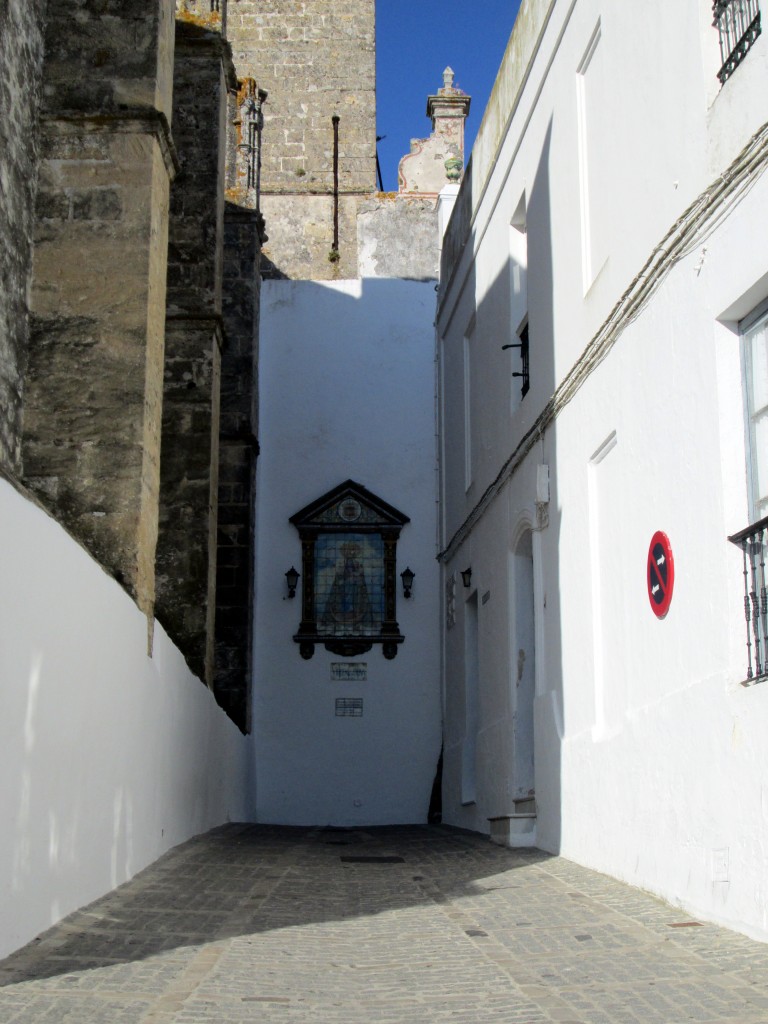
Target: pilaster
{"points": [[186, 551], [93, 386]]}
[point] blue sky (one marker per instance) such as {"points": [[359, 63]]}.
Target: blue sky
{"points": [[415, 40]]}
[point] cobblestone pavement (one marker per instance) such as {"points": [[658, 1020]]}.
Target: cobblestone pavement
{"points": [[383, 926]]}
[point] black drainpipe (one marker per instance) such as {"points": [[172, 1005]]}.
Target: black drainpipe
{"points": [[335, 120]]}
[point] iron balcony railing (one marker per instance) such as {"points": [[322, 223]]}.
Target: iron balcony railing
{"points": [[738, 24], [752, 542]]}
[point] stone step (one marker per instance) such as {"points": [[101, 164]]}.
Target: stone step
{"points": [[514, 830]]}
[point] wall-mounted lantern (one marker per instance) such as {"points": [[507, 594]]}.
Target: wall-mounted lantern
{"points": [[466, 576], [407, 576], [292, 579]]}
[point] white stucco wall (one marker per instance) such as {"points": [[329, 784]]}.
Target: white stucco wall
{"points": [[347, 371], [107, 757], [650, 758], [662, 747]]}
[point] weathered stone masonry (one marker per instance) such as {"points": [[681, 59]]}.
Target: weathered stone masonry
{"points": [[112, 320], [238, 449], [316, 59], [205, 554], [21, 59], [93, 391], [186, 552]]}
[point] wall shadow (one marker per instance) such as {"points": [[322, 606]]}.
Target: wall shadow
{"points": [[243, 880], [511, 436]]}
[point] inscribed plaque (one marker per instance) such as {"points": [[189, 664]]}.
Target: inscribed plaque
{"points": [[349, 671], [349, 707]]}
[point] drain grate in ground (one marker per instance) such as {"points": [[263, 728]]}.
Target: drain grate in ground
{"points": [[373, 860]]}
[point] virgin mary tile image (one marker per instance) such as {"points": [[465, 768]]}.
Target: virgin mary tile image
{"points": [[349, 584]]}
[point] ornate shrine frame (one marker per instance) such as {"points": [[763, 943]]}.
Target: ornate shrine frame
{"points": [[349, 509]]}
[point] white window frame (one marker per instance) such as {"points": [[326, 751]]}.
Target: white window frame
{"points": [[756, 321]]}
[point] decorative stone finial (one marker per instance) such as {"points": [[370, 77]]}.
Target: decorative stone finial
{"points": [[454, 165], [438, 160]]}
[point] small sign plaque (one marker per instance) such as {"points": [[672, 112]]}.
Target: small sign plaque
{"points": [[349, 671], [349, 707]]}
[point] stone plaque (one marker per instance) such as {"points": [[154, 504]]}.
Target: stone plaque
{"points": [[349, 671], [349, 707]]}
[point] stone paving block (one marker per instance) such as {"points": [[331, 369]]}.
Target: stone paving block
{"points": [[63, 1008], [258, 923]]}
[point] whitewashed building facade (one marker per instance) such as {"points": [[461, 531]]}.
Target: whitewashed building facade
{"points": [[602, 352]]}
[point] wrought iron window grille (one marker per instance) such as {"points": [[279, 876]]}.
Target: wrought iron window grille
{"points": [[752, 542], [738, 25]]}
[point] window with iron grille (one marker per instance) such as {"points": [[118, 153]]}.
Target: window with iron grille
{"points": [[738, 24]]}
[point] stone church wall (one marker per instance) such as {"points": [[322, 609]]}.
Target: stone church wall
{"points": [[123, 362], [114, 55], [21, 55], [238, 450], [186, 551], [93, 393], [383, 222], [316, 60]]}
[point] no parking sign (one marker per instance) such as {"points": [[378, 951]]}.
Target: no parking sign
{"points": [[661, 574]]}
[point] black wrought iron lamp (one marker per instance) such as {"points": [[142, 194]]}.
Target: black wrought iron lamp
{"points": [[292, 579], [407, 576], [466, 576]]}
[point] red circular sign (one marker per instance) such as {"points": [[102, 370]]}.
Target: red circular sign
{"points": [[661, 574]]}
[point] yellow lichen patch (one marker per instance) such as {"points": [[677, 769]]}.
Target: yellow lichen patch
{"points": [[246, 87], [237, 195], [210, 21]]}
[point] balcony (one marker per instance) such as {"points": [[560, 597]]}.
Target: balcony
{"points": [[752, 542], [738, 24]]}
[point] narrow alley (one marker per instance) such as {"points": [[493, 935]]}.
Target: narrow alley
{"points": [[426, 924]]}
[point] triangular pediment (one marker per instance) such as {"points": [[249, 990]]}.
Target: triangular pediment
{"points": [[350, 506]]}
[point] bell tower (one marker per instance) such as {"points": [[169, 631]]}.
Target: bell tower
{"points": [[317, 62]]}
